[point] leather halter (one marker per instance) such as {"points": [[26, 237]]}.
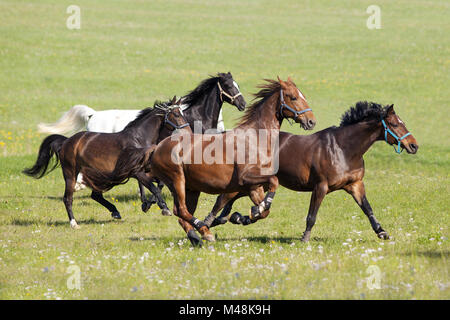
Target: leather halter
{"points": [[223, 93]]}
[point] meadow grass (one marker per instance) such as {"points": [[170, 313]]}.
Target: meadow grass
{"points": [[127, 54]]}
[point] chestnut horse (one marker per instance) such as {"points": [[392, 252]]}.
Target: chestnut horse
{"points": [[233, 169], [330, 160], [88, 152]]}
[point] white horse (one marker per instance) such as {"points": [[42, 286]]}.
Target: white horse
{"points": [[81, 117]]}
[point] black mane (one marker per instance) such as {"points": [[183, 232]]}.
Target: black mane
{"points": [[143, 114], [363, 111], [205, 86]]}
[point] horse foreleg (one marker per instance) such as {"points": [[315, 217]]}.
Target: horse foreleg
{"points": [[181, 197], [98, 196], [317, 196], [148, 183], [191, 201], [358, 193], [80, 185], [146, 204]]}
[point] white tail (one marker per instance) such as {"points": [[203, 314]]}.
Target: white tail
{"points": [[71, 122]]}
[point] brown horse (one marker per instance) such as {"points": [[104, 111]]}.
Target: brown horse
{"points": [[330, 160], [241, 160], [93, 152]]}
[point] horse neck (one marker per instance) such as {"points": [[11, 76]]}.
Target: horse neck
{"points": [[146, 132], [206, 109], [266, 115], [358, 138]]}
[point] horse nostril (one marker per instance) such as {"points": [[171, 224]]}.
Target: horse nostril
{"points": [[311, 123], [414, 146]]}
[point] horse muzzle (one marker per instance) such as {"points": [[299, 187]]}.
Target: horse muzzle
{"points": [[411, 148], [307, 124]]}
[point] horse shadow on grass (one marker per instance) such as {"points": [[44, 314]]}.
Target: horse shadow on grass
{"points": [[26, 223], [120, 198], [428, 254]]}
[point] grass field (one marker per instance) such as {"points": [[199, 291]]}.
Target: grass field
{"points": [[127, 54]]}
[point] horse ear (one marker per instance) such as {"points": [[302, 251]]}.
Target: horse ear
{"points": [[173, 100], [178, 102], [282, 83], [289, 79], [390, 109]]}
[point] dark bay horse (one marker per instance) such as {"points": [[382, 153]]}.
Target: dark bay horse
{"points": [[90, 151], [203, 106], [231, 167], [330, 160]]}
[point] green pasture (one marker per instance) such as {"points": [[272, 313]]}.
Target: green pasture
{"points": [[129, 53]]}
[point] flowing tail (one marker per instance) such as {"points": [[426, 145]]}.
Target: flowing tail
{"points": [[71, 122], [130, 162], [49, 147]]}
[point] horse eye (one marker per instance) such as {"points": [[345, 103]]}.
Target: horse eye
{"points": [[293, 98]]}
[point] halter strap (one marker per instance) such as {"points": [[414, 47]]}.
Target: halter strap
{"points": [[223, 93], [174, 125], [285, 106], [399, 140]]}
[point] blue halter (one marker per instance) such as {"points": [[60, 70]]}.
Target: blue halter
{"points": [[399, 140], [284, 105]]}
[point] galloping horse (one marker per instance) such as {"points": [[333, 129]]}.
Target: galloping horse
{"points": [[203, 104], [330, 160], [81, 117], [233, 169], [89, 151]]}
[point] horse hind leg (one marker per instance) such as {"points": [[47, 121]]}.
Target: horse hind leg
{"points": [[98, 196], [261, 209], [68, 196], [357, 190], [146, 204], [257, 212], [224, 201], [147, 181]]}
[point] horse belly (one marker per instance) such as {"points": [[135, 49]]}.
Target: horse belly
{"points": [[99, 151], [296, 181], [212, 179]]}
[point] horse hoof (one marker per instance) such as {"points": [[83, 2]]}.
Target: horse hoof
{"points": [[166, 212], [209, 237], [74, 224], [305, 237], [383, 235], [79, 186], [116, 215], [194, 238], [146, 206], [235, 218]]}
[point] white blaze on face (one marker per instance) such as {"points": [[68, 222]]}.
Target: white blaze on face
{"points": [[400, 120], [236, 85], [301, 95]]}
